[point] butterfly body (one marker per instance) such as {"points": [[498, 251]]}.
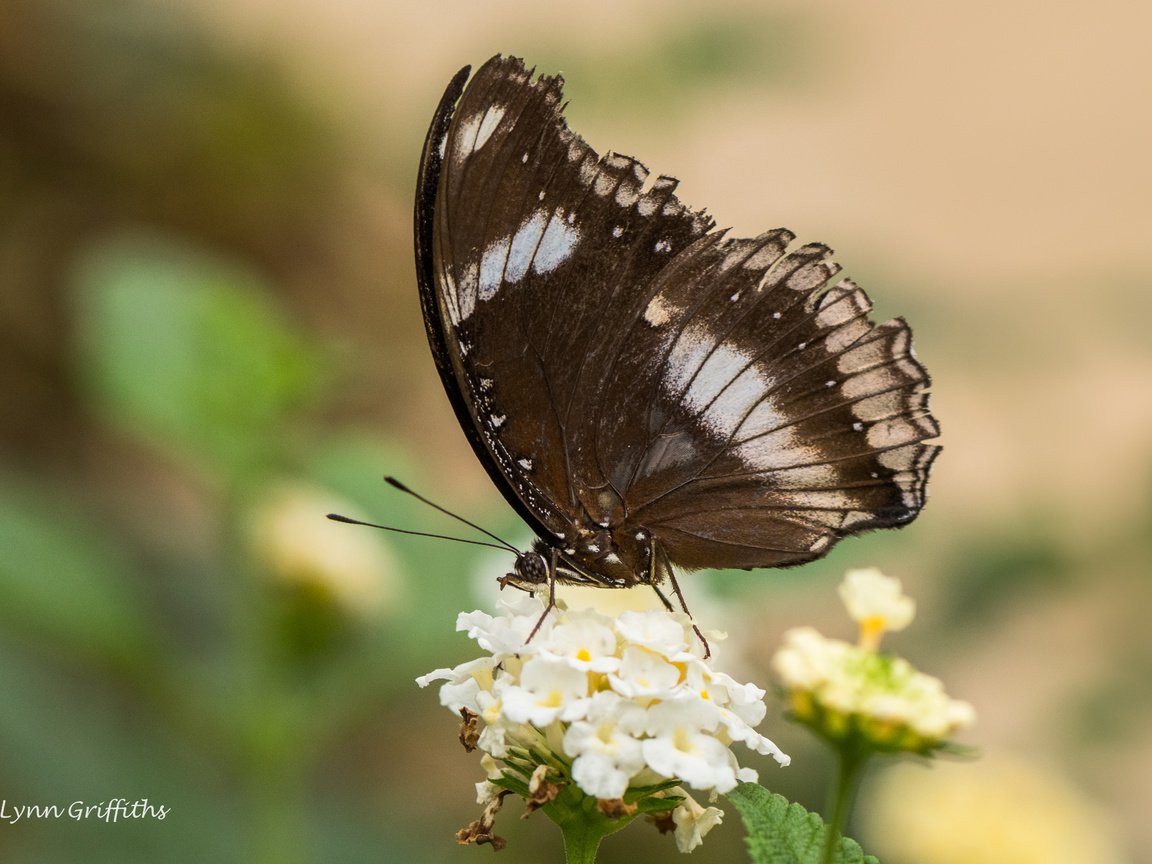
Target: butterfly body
{"points": [[644, 390], [594, 560]]}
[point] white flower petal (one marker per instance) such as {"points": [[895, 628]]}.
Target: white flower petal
{"points": [[548, 689], [698, 760], [644, 673], [693, 822], [486, 791], [598, 776], [870, 596], [586, 641], [657, 630]]}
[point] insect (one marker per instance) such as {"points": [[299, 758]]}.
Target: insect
{"points": [[644, 390]]}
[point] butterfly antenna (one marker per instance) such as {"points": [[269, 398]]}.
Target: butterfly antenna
{"points": [[348, 520], [392, 481]]}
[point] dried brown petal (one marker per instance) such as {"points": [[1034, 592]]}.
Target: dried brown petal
{"points": [[468, 733], [663, 821], [615, 808], [480, 831], [541, 790]]}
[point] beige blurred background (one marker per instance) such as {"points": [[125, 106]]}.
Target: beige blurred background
{"points": [[209, 331]]}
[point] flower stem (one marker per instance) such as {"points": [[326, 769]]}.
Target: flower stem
{"points": [[848, 775], [582, 824], [581, 840]]}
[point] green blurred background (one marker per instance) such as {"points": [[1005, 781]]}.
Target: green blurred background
{"points": [[210, 336]]}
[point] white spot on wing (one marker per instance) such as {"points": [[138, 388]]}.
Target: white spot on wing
{"points": [[722, 366], [524, 244], [663, 246], [760, 259], [492, 118], [558, 243], [687, 356], [891, 433], [845, 335], [627, 195], [767, 420], [732, 257], [739, 399], [465, 303], [492, 268], [476, 130], [657, 312], [719, 382]]}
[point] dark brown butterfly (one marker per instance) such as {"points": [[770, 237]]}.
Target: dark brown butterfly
{"points": [[644, 390]]}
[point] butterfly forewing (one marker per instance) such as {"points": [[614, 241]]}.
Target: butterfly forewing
{"points": [[617, 364]]}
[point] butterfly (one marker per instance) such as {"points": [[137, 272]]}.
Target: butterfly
{"points": [[644, 390]]}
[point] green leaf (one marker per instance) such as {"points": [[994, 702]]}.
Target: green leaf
{"points": [[780, 832], [64, 583], [188, 350]]}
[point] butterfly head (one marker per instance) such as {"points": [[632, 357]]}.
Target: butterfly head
{"points": [[529, 573]]}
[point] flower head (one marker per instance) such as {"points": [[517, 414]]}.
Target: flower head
{"points": [[302, 550], [619, 710], [877, 603], [853, 693]]}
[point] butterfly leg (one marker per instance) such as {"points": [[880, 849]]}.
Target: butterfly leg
{"points": [[676, 591], [551, 596]]}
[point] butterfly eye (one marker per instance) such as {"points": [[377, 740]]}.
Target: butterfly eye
{"points": [[531, 569]]}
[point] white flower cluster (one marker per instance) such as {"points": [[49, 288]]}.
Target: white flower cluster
{"points": [[619, 702], [843, 689], [885, 690]]}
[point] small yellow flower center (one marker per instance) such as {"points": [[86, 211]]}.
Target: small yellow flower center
{"points": [[682, 742], [583, 655], [871, 629], [492, 713]]}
